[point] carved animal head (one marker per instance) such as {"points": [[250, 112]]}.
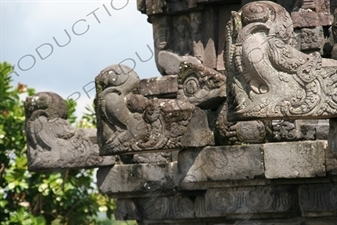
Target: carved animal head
{"points": [[49, 103], [121, 77]]}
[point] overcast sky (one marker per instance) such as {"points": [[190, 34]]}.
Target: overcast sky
{"points": [[101, 33]]}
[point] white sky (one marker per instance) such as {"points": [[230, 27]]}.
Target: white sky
{"points": [[27, 25]]}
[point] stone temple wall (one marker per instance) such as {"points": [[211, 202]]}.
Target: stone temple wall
{"points": [[238, 128]]}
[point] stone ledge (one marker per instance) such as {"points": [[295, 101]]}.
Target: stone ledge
{"points": [[235, 203], [287, 160], [163, 87], [220, 163], [295, 160], [145, 178]]}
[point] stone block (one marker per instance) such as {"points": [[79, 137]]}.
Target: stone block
{"points": [[251, 200], [178, 206], [170, 62], [198, 133], [331, 151], [294, 160], [295, 130], [322, 130], [307, 18], [162, 87], [318, 200], [220, 163], [146, 178], [332, 140]]}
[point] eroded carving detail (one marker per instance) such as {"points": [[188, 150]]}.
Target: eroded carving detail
{"points": [[268, 78], [250, 200], [52, 142], [201, 86], [238, 132], [128, 121], [318, 199]]}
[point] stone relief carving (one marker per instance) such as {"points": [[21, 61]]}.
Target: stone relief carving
{"points": [[191, 34], [128, 121], [318, 198], [239, 132], [52, 142], [273, 73], [201, 86], [295, 130], [270, 78], [250, 200]]}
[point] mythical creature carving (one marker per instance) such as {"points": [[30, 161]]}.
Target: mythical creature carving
{"points": [[267, 76], [52, 142], [129, 122]]}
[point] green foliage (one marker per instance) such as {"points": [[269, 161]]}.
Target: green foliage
{"points": [[26, 198]]}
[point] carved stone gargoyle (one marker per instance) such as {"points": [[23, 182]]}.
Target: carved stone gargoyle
{"points": [[128, 122], [267, 77], [53, 143]]}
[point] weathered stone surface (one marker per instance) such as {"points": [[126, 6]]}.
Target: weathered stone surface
{"points": [[273, 73], [334, 35], [311, 13], [295, 130], [331, 151], [251, 200], [201, 86], [197, 132], [156, 157], [195, 36], [243, 221], [331, 162], [238, 132], [318, 200], [170, 61], [53, 144], [311, 39], [130, 122], [161, 87], [306, 18], [244, 203], [147, 178], [322, 130], [274, 80], [155, 207], [294, 160], [151, 7], [220, 163], [332, 141]]}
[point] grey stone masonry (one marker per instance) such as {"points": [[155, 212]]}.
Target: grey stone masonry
{"points": [[296, 159], [238, 128]]}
